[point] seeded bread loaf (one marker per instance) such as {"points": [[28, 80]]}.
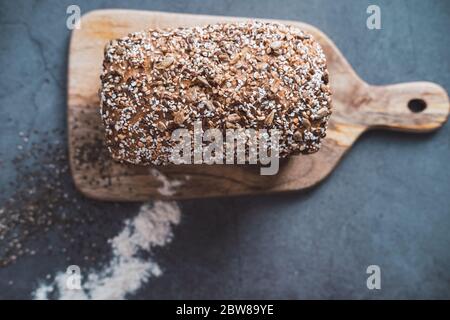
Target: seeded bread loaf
{"points": [[240, 75]]}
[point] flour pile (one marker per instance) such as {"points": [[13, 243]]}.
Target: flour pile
{"points": [[127, 270]]}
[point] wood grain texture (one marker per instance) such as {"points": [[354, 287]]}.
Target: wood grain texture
{"points": [[357, 107]]}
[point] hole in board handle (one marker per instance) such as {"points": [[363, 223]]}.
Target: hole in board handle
{"points": [[417, 105]]}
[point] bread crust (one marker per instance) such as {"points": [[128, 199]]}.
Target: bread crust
{"points": [[250, 75]]}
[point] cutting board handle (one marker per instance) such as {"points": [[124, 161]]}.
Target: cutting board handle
{"points": [[413, 106]]}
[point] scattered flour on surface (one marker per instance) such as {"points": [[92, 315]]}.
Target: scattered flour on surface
{"points": [[126, 271], [168, 186]]}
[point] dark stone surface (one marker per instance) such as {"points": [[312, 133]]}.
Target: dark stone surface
{"points": [[387, 203]]}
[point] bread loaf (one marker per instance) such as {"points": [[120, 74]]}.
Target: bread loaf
{"points": [[239, 75]]}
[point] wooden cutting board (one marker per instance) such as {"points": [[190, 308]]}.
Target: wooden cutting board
{"points": [[357, 106]]}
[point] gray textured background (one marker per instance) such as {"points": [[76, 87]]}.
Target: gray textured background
{"points": [[387, 203]]}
